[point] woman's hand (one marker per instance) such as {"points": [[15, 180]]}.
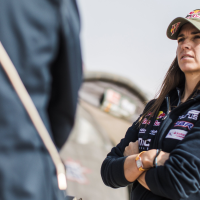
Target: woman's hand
{"points": [[131, 149], [149, 156]]}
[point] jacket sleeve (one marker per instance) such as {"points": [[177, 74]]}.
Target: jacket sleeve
{"points": [[112, 169], [66, 75], [180, 176]]}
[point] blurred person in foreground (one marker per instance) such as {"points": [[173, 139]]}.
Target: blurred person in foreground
{"points": [[160, 151], [42, 39]]}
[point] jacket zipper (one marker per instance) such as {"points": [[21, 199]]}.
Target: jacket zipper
{"points": [[168, 108]]}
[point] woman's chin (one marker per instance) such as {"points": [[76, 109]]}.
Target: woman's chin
{"points": [[189, 69]]}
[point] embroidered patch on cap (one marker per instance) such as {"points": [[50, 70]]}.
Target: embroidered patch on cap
{"points": [[176, 134], [175, 28], [194, 14]]}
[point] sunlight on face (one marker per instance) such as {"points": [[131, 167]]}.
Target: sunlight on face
{"points": [[188, 50]]}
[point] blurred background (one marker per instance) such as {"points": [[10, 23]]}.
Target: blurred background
{"points": [[125, 55]]}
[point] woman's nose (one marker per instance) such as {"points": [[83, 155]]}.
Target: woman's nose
{"points": [[186, 45]]}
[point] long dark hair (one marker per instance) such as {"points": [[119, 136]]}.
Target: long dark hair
{"points": [[173, 78]]}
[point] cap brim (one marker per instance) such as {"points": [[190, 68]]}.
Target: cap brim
{"points": [[195, 22]]}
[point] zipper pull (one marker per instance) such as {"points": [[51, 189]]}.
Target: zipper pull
{"points": [[166, 115]]}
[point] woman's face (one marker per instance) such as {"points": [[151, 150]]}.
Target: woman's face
{"points": [[188, 50]]}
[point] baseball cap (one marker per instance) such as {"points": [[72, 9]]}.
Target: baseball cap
{"points": [[174, 27]]}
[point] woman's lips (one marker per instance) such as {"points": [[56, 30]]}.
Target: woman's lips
{"points": [[186, 56]]}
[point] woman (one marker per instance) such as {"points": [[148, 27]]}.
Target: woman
{"points": [[171, 123]]}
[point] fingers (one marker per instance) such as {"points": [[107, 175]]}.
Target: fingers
{"points": [[131, 149], [133, 143]]}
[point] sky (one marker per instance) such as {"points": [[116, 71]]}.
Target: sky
{"points": [[128, 38]]}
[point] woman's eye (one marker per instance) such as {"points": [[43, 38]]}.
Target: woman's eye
{"points": [[180, 40], [197, 37]]}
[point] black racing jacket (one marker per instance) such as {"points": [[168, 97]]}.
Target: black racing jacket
{"points": [[176, 130]]}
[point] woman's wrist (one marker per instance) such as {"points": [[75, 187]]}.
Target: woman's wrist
{"points": [[162, 158], [153, 157], [155, 164]]}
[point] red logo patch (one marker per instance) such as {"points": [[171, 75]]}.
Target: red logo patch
{"points": [[146, 121], [156, 123]]}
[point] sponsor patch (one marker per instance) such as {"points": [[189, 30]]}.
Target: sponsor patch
{"points": [[146, 121], [184, 124], [142, 130], [176, 134], [156, 123], [148, 114], [175, 28], [193, 14], [192, 114], [153, 132], [161, 114], [144, 144]]}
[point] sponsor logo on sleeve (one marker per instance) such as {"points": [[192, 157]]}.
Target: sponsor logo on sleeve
{"points": [[153, 132], [156, 123], [184, 124], [146, 121], [176, 134], [192, 114], [142, 130]]}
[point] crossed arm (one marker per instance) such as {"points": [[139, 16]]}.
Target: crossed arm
{"points": [[130, 169]]}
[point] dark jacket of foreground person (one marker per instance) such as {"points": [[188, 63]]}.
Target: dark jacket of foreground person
{"points": [[176, 132], [42, 39]]}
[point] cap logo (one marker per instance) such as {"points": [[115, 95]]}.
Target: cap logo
{"points": [[174, 28], [194, 14]]}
